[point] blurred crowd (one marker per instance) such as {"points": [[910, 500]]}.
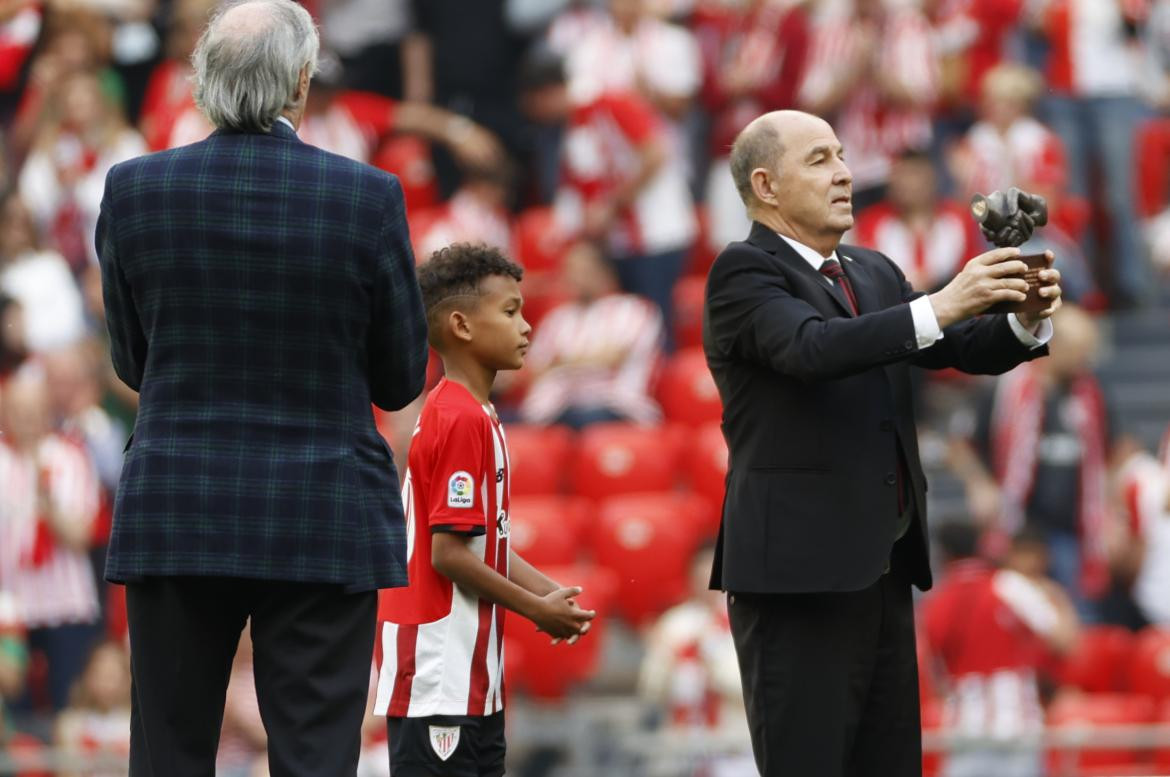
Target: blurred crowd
{"points": [[590, 139]]}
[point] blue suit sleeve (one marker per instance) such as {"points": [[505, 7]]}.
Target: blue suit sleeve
{"points": [[128, 346], [397, 347]]}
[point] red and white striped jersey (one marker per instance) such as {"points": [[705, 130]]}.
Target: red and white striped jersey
{"points": [[1145, 483], [441, 649], [928, 258], [871, 128], [1028, 154], [985, 626], [52, 584]]}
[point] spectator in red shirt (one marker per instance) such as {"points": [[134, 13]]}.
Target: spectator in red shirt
{"points": [[168, 92], [97, 721], [988, 632], [593, 358], [931, 237], [754, 55], [620, 185]]}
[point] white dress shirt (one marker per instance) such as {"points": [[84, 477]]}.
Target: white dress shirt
{"points": [[926, 328]]}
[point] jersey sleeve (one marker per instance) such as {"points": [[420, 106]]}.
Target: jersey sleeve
{"points": [[633, 116], [455, 498]]}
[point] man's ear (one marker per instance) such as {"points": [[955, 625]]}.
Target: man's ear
{"points": [[762, 182], [459, 325], [303, 84]]}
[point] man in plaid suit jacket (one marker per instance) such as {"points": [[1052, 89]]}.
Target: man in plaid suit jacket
{"points": [[260, 294]]}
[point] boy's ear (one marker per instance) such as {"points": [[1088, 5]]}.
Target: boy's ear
{"points": [[459, 326]]}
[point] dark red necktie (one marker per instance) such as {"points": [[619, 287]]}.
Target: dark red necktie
{"points": [[833, 270]]}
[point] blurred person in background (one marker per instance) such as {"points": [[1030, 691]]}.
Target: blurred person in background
{"points": [[632, 50], [1094, 69], [20, 30], [39, 279], [1144, 482], [621, 186], [689, 670], [49, 499], [96, 724], [73, 379], [75, 40], [929, 236], [369, 37], [593, 358], [988, 632], [873, 71], [13, 659], [1008, 147], [754, 54], [168, 91], [1035, 452], [446, 36], [13, 348], [81, 136], [476, 213]]}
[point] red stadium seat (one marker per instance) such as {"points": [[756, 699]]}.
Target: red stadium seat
{"points": [[535, 666], [688, 296], [539, 456], [540, 243], [1152, 157], [1162, 755], [707, 462], [409, 158], [648, 540], [624, 459], [1150, 668], [1100, 711], [1100, 663], [687, 391], [25, 750], [548, 530]]}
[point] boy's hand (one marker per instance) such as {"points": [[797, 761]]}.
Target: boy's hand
{"points": [[560, 616]]}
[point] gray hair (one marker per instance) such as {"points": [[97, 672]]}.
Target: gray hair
{"points": [[246, 74], [758, 145]]}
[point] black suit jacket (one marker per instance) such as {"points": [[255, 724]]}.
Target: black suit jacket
{"points": [[816, 404]]}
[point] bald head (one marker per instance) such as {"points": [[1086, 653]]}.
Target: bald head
{"points": [[761, 144], [789, 168]]}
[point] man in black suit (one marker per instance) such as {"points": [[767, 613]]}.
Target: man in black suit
{"points": [[824, 523]]}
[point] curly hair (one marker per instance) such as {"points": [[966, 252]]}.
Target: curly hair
{"points": [[456, 271]]}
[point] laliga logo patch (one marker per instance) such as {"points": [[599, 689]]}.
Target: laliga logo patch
{"points": [[444, 740], [461, 490]]}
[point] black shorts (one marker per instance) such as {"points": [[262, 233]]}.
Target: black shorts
{"points": [[474, 746]]}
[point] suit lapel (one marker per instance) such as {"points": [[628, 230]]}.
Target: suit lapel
{"points": [[763, 237]]}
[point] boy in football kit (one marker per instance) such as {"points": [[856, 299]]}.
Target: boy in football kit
{"points": [[440, 641]]}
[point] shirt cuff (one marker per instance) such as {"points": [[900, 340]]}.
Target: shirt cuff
{"points": [[926, 327], [1040, 337]]}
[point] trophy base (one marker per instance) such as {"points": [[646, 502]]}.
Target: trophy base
{"points": [[1034, 302]]}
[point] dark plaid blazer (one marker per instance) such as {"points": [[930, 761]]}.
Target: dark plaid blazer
{"points": [[260, 294]]}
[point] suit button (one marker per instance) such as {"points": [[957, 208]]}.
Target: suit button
{"points": [[891, 479], [887, 425], [908, 345]]}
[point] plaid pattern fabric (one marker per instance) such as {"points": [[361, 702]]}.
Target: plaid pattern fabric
{"points": [[260, 293]]}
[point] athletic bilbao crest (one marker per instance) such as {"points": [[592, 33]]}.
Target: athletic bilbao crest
{"points": [[444, 740]]}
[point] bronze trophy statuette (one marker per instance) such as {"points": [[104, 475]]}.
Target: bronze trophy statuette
{"points": [[1008, 219]]}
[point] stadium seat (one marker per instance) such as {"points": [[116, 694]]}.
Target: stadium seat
{"points": [[1152, 157], [648, 540], [1150, 667], [409, 158], [706, 463], [535, 666], [548, 530], [540, 243], [624, 459], [1100, 711], [687, 295], [539, 457], [687, 391], [1162, 754], [1100, 662]]}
